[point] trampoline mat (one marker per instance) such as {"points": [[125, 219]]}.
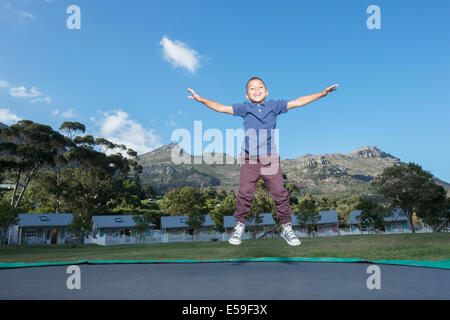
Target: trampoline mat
{"points": [[276, 280]]}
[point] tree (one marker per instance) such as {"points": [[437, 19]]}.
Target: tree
{"points": [[226, 208], [222, 194], [71, 128], [91, 189], [307, 213], [344, 208], [29, 147], [126, 196], [53, 191], [212, 203], [142, 224], [434, 206], [95, 172], [8, 216], [405, 185], [149, 192], [81, 225], [372, 214], [208, 193], [183, 201], [325, 204], [77, 174], [195, 222], [293, 190]]}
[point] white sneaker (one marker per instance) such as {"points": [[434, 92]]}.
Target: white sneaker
{"points": [[239, 230], [288, 234]]}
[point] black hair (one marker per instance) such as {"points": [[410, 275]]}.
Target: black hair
{"points": [[255, 78]]}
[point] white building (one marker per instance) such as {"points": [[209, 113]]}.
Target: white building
{"points": [[120, 229], [326, 226], [396, 223], [176, 229], [40, 228]]}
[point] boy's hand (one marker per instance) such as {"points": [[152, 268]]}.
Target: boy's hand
{"points": [[329, 89], [211, 104], [195, 96]]}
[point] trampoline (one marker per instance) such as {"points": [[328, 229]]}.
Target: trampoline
{"points": [[246, 279]]}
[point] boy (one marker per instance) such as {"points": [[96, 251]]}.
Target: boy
{"points": [[260, 116]]}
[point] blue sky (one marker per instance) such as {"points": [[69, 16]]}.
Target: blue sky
{"points": [[112, 75]]}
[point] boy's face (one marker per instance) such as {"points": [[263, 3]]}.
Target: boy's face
{"points": [[256, 91]]}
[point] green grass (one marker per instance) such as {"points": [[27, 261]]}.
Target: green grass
{"points": [[427, 247]]}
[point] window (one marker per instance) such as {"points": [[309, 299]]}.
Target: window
{"points": [[184, 220], [118, 220], [44, 218], [31, 234]]}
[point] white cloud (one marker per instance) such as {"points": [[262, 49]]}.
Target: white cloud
{"points": [[4, 84], [46, 99], [179, 112], [11, 12], [117, 127], [7, 117], [24, 14], [21, 92], [180, 55], [34, 95], [67, 114]]}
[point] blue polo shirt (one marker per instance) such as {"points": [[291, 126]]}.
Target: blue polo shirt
{"points": [[262, 117]]}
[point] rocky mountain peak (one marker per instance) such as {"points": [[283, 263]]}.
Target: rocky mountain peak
{"points": [[369, 152]]}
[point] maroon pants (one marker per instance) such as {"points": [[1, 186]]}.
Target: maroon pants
{"points": [[268, 168]]}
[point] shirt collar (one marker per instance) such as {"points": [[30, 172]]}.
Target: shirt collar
{"points": [[257, 103]]}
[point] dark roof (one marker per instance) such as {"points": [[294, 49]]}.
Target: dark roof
{"points": [[124, 221], [230, 221], [45, 219], [180, 222], [397, 215], [353, 216], [330, 216]]}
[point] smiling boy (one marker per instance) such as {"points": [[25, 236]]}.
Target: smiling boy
{"points": [[260, 116]]}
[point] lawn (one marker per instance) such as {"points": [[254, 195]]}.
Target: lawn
{"points": [[427, 247]]}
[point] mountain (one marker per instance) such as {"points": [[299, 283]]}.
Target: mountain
{"points": [[334, 175], [338, 175], [163, 175]]}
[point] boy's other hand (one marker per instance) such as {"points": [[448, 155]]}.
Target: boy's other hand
{"points": [[194, 95], [329, 89]]}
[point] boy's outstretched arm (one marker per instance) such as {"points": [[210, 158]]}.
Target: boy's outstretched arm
{"points": [[211, 104], [300, 102]]}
